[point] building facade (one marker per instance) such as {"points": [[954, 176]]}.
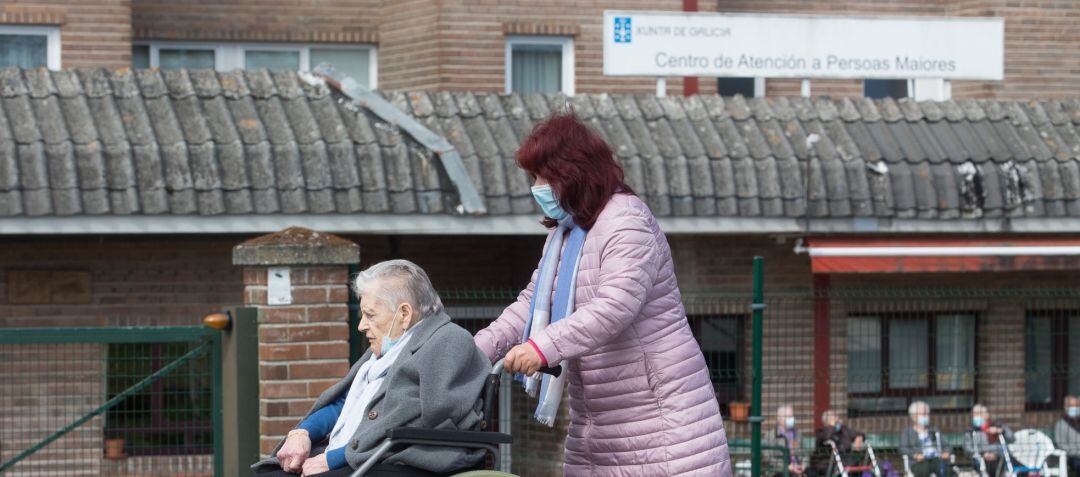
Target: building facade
{"points": [[476, 46], [130, 171]]}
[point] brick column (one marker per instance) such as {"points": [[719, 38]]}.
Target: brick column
{"points": [[303, 345]]}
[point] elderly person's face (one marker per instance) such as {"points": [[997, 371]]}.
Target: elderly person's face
{"points": [[1072, 406], [921, 416], [380, 322]]}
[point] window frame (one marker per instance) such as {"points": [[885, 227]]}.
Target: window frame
{"points": [[759, 84], [52, 40], [742, 349], [1059, 356], [566, 42], [909, 87], [230, 56], [931, 389]]}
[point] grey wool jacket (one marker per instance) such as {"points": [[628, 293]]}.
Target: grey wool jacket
{"points": [[910, 444], [434, 384], [1066, 438]]}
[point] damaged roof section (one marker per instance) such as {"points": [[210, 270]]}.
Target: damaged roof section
{"points": [[148, 142]]}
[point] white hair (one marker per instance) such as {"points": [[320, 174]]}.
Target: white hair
{"points": [[914, 407], [782, 412], [979, 408], [394, 282], [829, 413]]}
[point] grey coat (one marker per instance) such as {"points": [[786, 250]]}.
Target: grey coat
{"points": [[976, 442], [435, 384], [1066, 438], [910, 444]]}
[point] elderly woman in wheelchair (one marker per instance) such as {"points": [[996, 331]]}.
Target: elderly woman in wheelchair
{"points": [[986, 442], [921, 445], [420, 381]]}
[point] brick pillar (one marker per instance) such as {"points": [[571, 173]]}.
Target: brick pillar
{"points": [[303, 345]]}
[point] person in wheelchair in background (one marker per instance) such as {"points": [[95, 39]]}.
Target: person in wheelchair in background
{"points": [[921, 445], [420, 371], [983, 441], [848, 442], [787, 437]]}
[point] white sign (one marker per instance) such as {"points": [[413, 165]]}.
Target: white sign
{"points": [[278, 286], [802, 46]]}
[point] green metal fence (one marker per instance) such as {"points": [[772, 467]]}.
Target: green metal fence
{"points": [[111, 401], [864, 347]]}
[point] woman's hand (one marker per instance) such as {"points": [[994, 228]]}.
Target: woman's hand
{"points": [[316, 465], [523, 359], [295, 451]]}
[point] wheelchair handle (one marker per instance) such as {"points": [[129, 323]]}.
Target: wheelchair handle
{"points": [[556, 371]]}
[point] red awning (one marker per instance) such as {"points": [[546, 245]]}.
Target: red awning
{"points": [[938, 254]]}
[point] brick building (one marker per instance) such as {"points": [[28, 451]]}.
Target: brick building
{"points": [[123, 192]]}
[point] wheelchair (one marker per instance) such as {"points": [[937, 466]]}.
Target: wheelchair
{"points": [[837, 468], [481, 439]]}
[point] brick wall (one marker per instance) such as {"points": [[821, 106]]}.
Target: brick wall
{"points": [[325, 21], [459, 45], [146, 281], [92, 32], [1039, 62], [168, 280]]}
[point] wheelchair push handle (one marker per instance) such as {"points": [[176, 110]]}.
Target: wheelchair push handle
{"points": [[556, 371]]}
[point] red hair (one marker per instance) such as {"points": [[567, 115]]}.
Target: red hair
{"points": [[577, 162]]}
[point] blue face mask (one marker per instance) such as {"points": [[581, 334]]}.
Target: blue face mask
{"points": [[789, 422], [838, 425], [924, 420], [978, 421], [1072, 412], [545, 196], [387, 341]]}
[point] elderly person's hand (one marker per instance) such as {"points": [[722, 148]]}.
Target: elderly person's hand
{"points": [[316, 465], [295, 451], [990, 456], [523, 359]]}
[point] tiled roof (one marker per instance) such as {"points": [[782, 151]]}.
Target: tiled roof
{"points": [[92, 142]]}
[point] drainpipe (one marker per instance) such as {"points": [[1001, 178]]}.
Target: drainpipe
{"points": [[690, 83]]}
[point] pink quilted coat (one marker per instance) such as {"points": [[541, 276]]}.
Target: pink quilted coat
{"points": [[641, 402]]}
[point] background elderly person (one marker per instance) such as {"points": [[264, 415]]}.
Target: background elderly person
{"points": [[846, 439], [420, 370], [786, 436], [984, 439], [1067, 433], [922, 443], [605, 304]]}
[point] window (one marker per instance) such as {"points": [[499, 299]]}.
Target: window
{"points": [[887, 88], [722, 343], [896, 359], [748, 87], [1051, 358], [539, 64], [173, 415], [356, 61], [29, 46]]}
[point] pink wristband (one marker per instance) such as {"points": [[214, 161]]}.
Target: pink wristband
{"points": [[543, 360]]}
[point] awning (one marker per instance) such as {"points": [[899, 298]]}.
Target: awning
{"points": [[941, 254]]}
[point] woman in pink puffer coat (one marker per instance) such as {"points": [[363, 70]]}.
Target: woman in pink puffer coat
{"points": [[641, 401]]}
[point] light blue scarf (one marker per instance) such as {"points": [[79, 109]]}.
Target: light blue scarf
{"points": [[545, 309]]}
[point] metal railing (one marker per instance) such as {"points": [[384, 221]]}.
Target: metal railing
{"points": [[111, 401]]}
